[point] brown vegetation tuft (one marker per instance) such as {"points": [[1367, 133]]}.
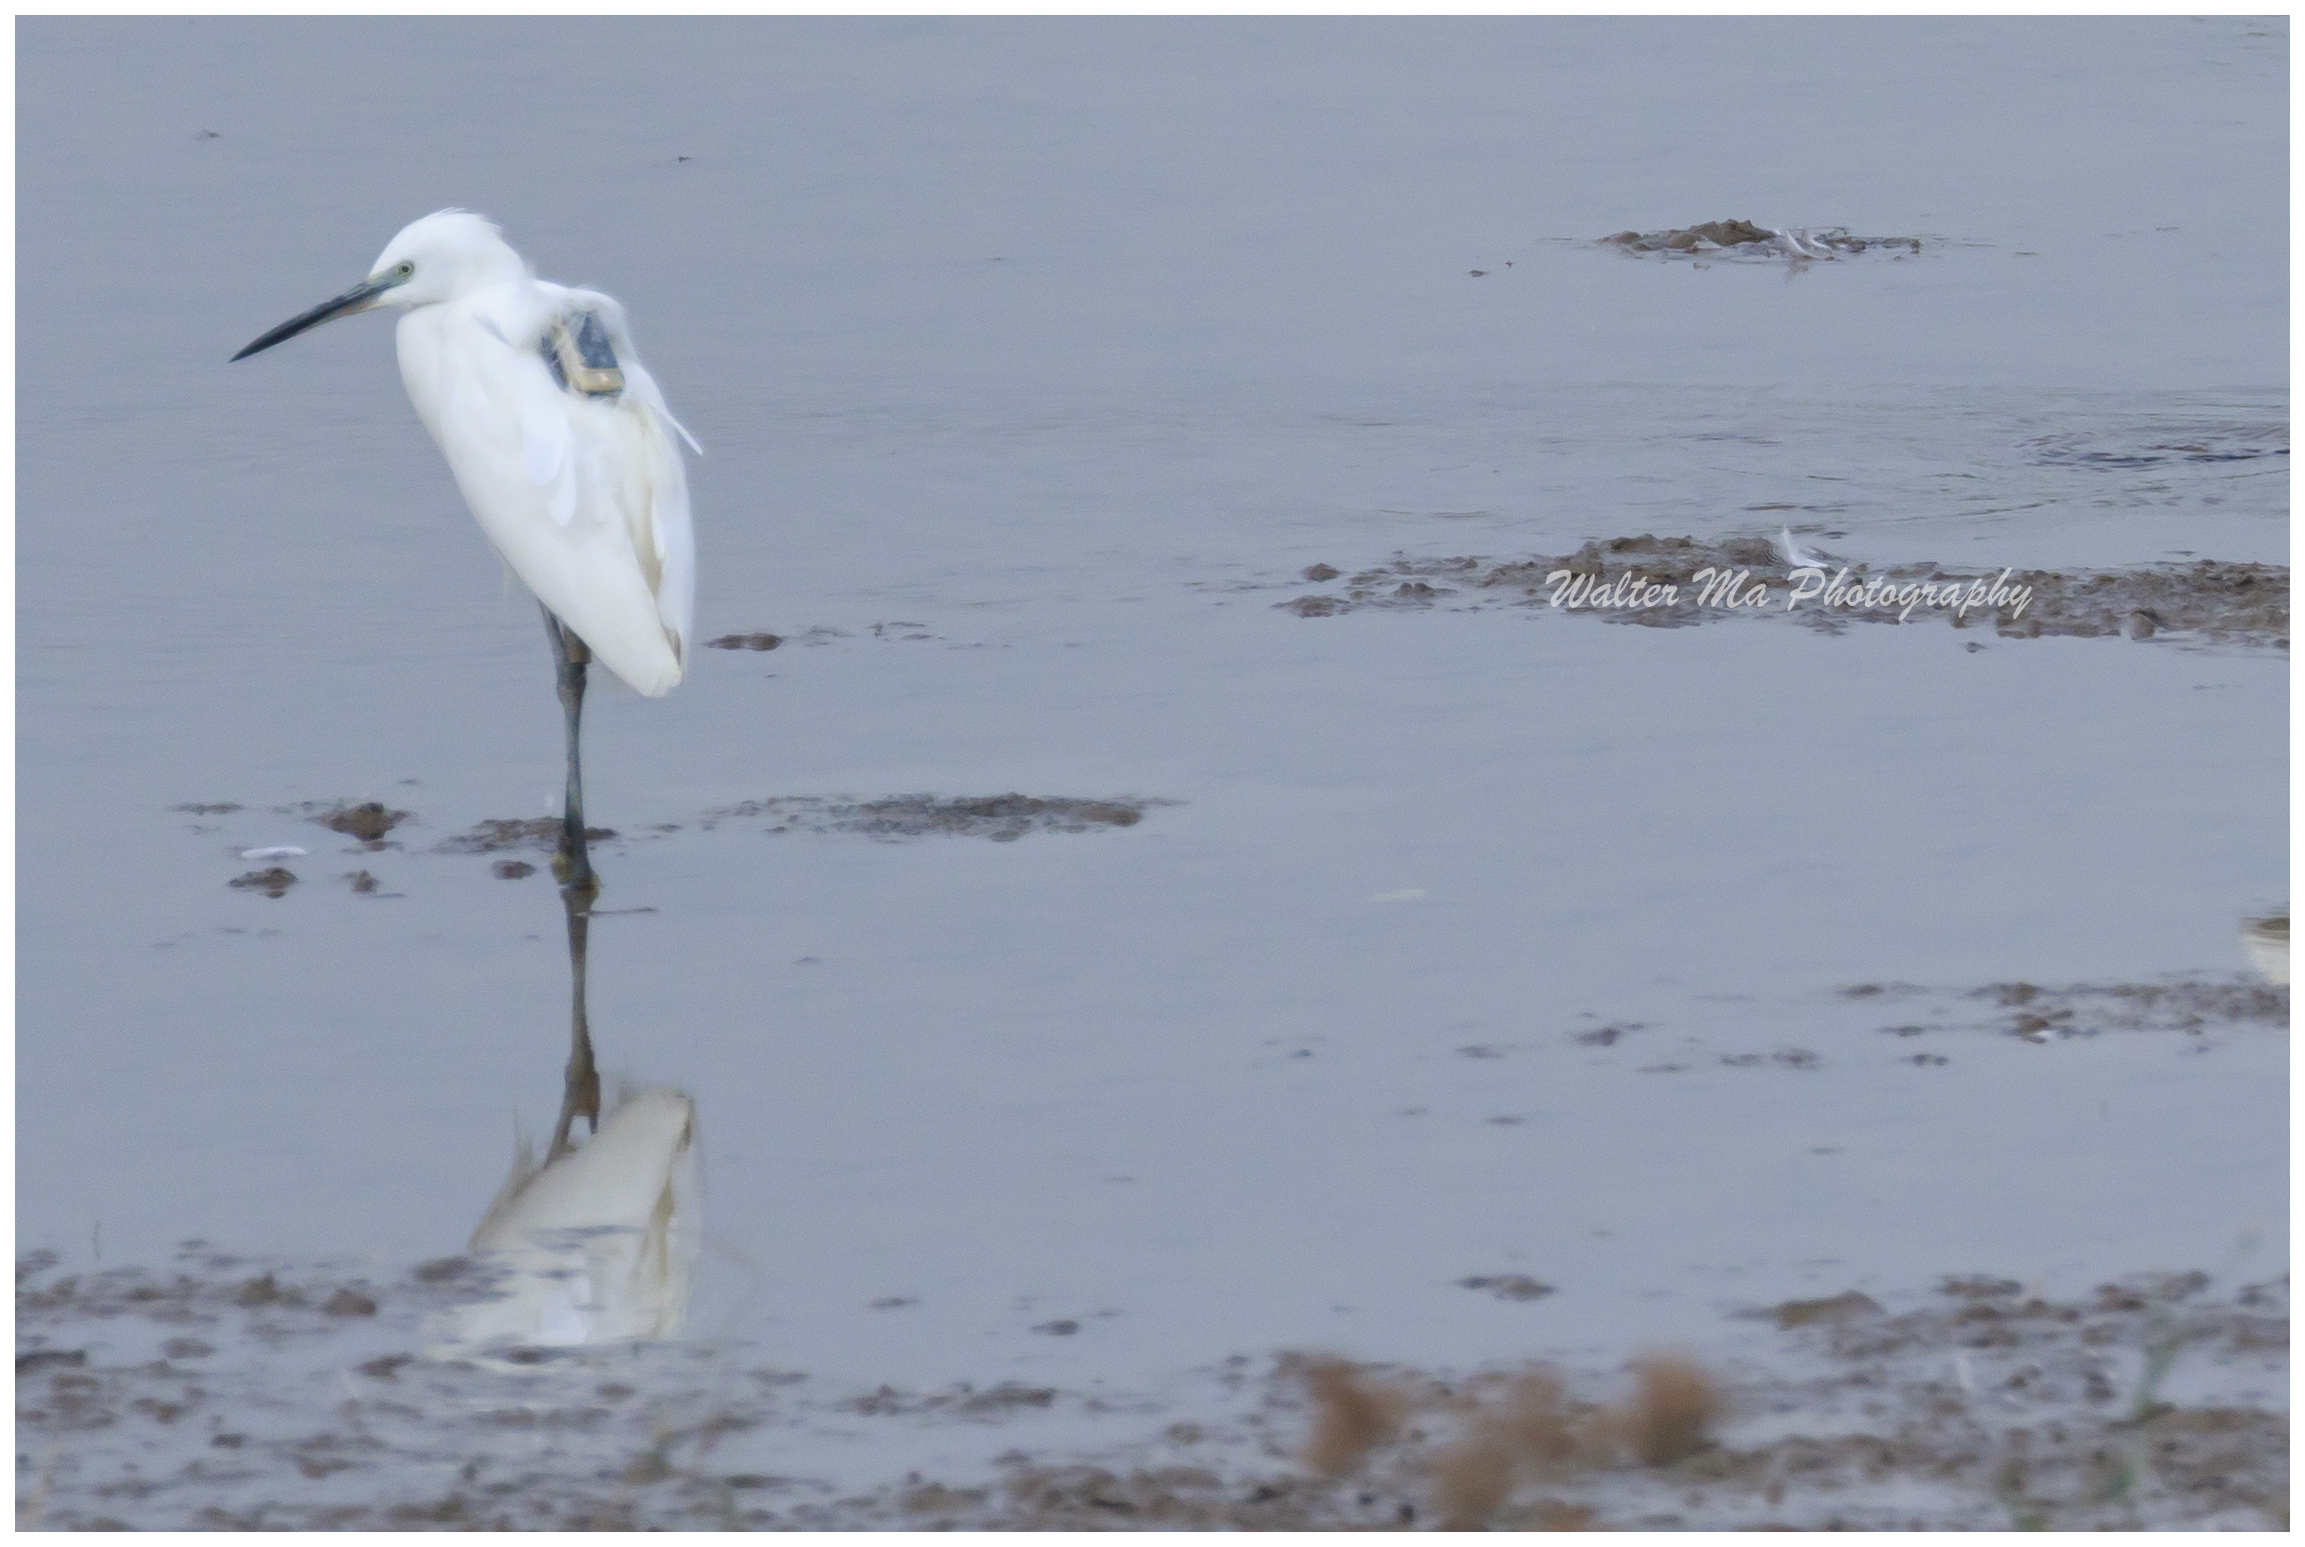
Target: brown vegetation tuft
{"points": [[1535, 1417], [1352, 1415], [1472, 1477], [1526, 1428], [1674, 1405]]}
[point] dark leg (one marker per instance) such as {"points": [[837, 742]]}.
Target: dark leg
{"points": [[570, 656], [580, 1088]]}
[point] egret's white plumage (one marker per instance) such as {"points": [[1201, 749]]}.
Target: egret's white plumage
{"points": [[569, 465], [1798, 557], [2266, 943], [599, 1245], [584, 496], [1799, 243]]}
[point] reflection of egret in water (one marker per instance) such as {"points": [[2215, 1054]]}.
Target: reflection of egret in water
{"points": [[2265, 942], [599, 1243]]}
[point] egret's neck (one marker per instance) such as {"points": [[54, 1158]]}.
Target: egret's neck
{"points": [[443, 343]]}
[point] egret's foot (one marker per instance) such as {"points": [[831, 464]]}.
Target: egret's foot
{"points": [[584, 1097], [576, 876]]}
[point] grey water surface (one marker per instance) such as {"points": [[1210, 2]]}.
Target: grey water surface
{"points": [[1033, 361]]}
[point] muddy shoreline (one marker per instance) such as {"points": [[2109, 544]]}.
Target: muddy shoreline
{"points": [[288, 1396], [1678, 582]]}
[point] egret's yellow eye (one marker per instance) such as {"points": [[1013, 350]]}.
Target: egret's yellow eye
{"points": [[404, 269]]}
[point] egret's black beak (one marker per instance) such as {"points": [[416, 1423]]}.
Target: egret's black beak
{"points": [[358, 298]]}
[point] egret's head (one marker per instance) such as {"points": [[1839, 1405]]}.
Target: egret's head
{"points": [[447, 254], [440, 257]]}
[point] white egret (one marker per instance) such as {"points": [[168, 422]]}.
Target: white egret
{"points": [[1798, 557], [1799, 243], [2266, 943], [562, 445], [597, 1245]]}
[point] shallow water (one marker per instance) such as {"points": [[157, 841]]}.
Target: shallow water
{"points": [[1034, 361]]}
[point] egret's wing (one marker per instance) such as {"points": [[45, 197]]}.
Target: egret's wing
{"points": [[548, 453], [638, 384], [568, 488], [650, 482], [630, 512], [661, 526]]}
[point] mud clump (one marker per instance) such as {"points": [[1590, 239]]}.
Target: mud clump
{"points": [[1002, 818], [1007, 1397], [1718, 233], [1784, 1058], [1507, 1286], [501, 833], [367, 821], [2192, 1007], [761, 640], [1850, 1306], [2226, 603], [272, 881], [262, 1290], [51, 1359], [1678, 582], [1742, 238]]}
